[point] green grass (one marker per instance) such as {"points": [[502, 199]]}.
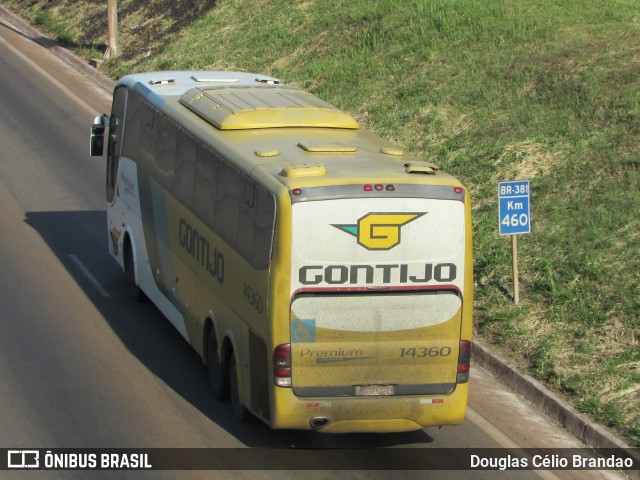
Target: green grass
{"points": [[491, 90], [46, 21]]}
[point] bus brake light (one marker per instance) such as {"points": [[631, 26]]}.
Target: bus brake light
{"points": [[282, 365], [464, 361], [378, 187]]}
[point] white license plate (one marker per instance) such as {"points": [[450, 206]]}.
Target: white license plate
{"points": [[374, 390]]}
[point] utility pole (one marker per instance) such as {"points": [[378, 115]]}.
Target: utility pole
{"points": [[112, 22]]}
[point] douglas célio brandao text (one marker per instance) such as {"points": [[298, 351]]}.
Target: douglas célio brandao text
{"points": [[564, 461]]}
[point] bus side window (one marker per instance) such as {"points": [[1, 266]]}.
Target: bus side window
{"points": [[228, 197], [246, 220], [206, 178], [184, 180], [265, 213], [116, 125], [166, 151], [255, 227], [135, 110], [148, 139]]}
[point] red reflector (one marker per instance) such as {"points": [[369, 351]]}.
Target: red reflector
{"points": [[296, 192], [379, 187], [390, 188], [458, 190], [282, 372], [463, 368], [282, 356], [465, 350], [368, 188]]}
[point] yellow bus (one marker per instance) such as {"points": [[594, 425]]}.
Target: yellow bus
{"points": [[323, 275]]}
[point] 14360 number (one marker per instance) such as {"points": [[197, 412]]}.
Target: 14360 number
{"points": [[421, 352]]}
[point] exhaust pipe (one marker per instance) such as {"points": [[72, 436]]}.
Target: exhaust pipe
{"points": [[318, 423]]}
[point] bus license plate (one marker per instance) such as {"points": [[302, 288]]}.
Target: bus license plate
{"points": [[374, 390]]}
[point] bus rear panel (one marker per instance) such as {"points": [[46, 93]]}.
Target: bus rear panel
{"points": [[377, 289]]}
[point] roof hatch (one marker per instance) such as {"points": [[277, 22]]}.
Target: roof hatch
{"points": [[304, 170], [240, 108], [213, 79], [328, 148], [421, 167]]}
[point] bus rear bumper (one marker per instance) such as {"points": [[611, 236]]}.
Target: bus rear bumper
{"points": [[368, 414]]}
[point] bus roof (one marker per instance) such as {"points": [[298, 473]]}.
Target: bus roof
{"points": [[290, 134], [178, 82]]}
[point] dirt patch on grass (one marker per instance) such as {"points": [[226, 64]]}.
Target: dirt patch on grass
{"points": [[526, 160]]}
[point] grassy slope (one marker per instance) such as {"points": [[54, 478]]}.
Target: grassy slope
{"points": [[491, 90]]}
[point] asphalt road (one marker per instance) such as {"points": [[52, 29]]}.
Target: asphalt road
{"points": [[82, 365]]}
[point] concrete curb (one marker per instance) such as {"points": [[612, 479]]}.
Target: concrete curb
{"points": [[65, 55], [579, 425]]}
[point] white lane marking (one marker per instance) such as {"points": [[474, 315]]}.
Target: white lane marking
{"points": [[502, 439], [89, 276], [45, 74]]}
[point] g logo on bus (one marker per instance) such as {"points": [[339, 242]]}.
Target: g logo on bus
{"points": [[379, 231]]}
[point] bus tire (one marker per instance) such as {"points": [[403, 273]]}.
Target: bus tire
{"points": [[217, 371], [129, 267], [239, 410]]}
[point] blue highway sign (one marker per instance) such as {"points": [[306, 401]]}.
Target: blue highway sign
{"points": [[514, 216]]}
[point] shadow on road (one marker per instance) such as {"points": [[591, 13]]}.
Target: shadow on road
{"points": [[79, 240]]}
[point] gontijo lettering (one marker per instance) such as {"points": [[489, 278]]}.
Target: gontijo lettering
{"points": [[377, 274], [196, 245]]}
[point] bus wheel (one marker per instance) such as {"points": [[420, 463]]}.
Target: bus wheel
{"points": [[217, 372], [239, 410], [136, 292]]}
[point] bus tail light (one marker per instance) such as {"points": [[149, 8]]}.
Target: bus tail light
{"points": [[282, 365], [378, 187], [464, 361]]}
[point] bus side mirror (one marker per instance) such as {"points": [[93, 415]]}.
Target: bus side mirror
{"points": [[96, 146]]}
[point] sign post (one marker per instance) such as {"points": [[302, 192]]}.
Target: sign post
{"points": [[514, 218]]}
